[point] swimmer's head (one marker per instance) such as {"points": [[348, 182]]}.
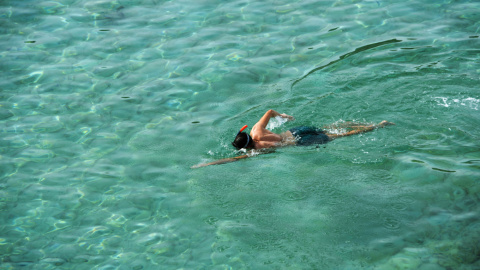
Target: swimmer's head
{"points": [[243, 140]]}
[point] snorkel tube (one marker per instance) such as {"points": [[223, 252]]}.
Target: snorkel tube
{"points": [[242, 129]]}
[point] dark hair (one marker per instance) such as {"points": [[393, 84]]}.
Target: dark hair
{"points": [[241, 141]]}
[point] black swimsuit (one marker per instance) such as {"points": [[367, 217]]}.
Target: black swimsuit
{"points": [[309, 135]]}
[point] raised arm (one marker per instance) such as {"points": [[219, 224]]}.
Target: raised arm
{"points": [[263, 122]]}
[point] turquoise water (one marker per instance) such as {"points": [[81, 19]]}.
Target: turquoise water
{"points": [[105, 106]]}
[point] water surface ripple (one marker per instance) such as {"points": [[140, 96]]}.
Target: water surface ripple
{"points": [[105, 105]]}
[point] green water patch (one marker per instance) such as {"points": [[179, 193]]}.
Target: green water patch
{"points": [[105, 106]]}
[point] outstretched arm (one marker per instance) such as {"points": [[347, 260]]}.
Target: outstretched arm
{"points": [[220, 161], [361, 129], [228, 160]]}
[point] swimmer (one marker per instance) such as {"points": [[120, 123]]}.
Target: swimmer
{"points": [[262, 138]]}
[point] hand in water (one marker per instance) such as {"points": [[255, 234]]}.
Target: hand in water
{"points": [[289, 117]]}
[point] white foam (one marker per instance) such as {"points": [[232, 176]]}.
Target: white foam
{"points": [[275, 122], [472, 103]]}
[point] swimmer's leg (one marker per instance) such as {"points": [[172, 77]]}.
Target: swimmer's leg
{"points": [[360, 129], [348, 126]]}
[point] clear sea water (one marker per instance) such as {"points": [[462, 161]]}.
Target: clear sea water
{"points": [[105, 105]]}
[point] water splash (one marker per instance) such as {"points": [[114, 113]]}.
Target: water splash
{"points": [[276, 122]]}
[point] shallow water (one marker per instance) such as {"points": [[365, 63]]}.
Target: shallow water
{"points": [[105, 105]]}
